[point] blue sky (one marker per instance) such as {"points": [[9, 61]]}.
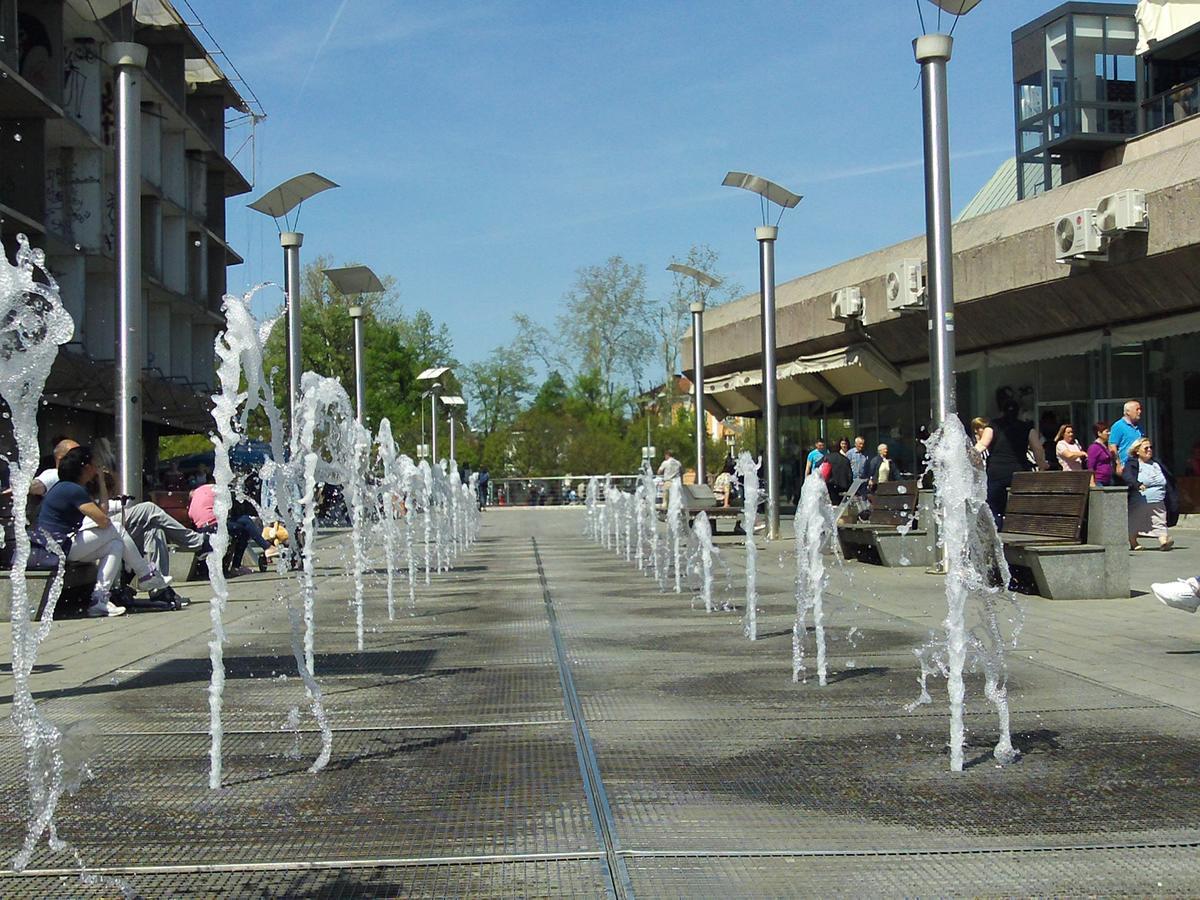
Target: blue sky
{"points": [[486, 151]]}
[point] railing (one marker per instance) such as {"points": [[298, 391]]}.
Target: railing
{"points": [[559, 490], [1179, 102]]}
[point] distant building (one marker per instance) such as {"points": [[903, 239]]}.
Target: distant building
{"points": [[1106, 101], [57, 186]]}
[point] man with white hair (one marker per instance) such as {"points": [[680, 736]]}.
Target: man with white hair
{"points": [[879, 469], [1125, 431]]}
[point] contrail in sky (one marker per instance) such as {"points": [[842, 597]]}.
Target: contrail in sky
{"points": [[321, 46]]}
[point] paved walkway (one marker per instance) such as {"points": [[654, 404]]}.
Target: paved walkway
{"points": [[546, 723]]}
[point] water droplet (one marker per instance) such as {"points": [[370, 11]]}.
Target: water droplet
{"points": [[17, 138], [78, 247]]}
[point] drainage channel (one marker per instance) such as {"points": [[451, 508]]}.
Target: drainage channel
{"points": [[619, 883]]}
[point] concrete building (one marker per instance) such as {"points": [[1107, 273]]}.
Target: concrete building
{"points": [[57, 187], [1071, 339]]}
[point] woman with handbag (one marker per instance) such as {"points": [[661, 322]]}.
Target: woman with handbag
{"points": [[1151, 492]]}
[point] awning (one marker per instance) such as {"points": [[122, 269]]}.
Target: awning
{"points": [[822, 377], [1064, 345], [1015, 354], [1160, 20], [1154, 329]]}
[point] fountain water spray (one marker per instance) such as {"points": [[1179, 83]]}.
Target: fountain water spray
{"points": [[33, 324], [816, 528], [702, 531], [648, 522], [389, 520], [639, 518], [357, 476], [424, 490], [323, 417], [591, 524], [977, 579], [747, 468], [676, 523]]}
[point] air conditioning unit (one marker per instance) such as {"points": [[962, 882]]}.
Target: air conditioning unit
{"points": [[1077, 236], [1122, 211], [906, 286], [847, 303]]}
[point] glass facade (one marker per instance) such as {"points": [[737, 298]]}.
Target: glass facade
{"points": [[1080, 389], [1076, 91]]}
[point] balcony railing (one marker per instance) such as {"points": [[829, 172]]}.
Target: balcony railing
{"points": [[1179, 102]]}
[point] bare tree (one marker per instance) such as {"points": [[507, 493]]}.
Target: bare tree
{"points": [[603, 328], [672, 317]]}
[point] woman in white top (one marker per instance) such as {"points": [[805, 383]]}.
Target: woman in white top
{"points": [[1070, 455]]}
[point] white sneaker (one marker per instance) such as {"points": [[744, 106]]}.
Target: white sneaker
{"points": [[104, 609], [1182, 594]]}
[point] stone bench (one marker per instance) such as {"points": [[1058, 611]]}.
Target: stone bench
{"points": [[901, 530], [1065, 539]]}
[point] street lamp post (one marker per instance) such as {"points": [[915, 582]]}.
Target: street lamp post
{"points": [[356, 281], [452, 403], [278, 203], [696, 308], [128, 60], [766, 235], [432, 376], [932, 52]]}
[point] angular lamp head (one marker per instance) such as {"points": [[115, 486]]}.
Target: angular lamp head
{"points": [[957, 7], [703, 277]]}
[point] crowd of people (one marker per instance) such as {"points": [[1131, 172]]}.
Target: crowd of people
{"points": [[75, 511]]}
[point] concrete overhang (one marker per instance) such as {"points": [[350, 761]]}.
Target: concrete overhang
{"points": [[1009, 289], [822, 377]]}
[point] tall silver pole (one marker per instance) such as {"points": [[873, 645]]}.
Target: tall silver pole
{"points": [[698, 387], [433, 426], [360, 371], [933, 52], [128, 60], [766, 235], [450, 423], [291, 241]]}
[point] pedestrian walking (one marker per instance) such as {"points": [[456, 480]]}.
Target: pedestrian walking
{"points": [[1151, 493]]}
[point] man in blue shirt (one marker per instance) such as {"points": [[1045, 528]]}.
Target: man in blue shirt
{"points": [[1125, 431], [815, 457]]}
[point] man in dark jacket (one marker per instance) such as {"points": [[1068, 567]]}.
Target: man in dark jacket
{"points": [[840, 476]]}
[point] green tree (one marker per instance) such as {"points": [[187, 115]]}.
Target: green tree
{"points": [[395, 349], [552, 394], [497, 386]]}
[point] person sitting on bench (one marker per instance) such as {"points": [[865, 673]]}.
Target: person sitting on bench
{"points": [[241, 527], [146, 523], [63, 512]]}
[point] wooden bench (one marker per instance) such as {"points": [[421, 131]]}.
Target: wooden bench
{"points": [[1065, 539], [900, 530]]}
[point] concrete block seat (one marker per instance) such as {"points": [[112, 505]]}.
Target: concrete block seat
{"points": [[700, 498], [1065, 539], [901, 530]]}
